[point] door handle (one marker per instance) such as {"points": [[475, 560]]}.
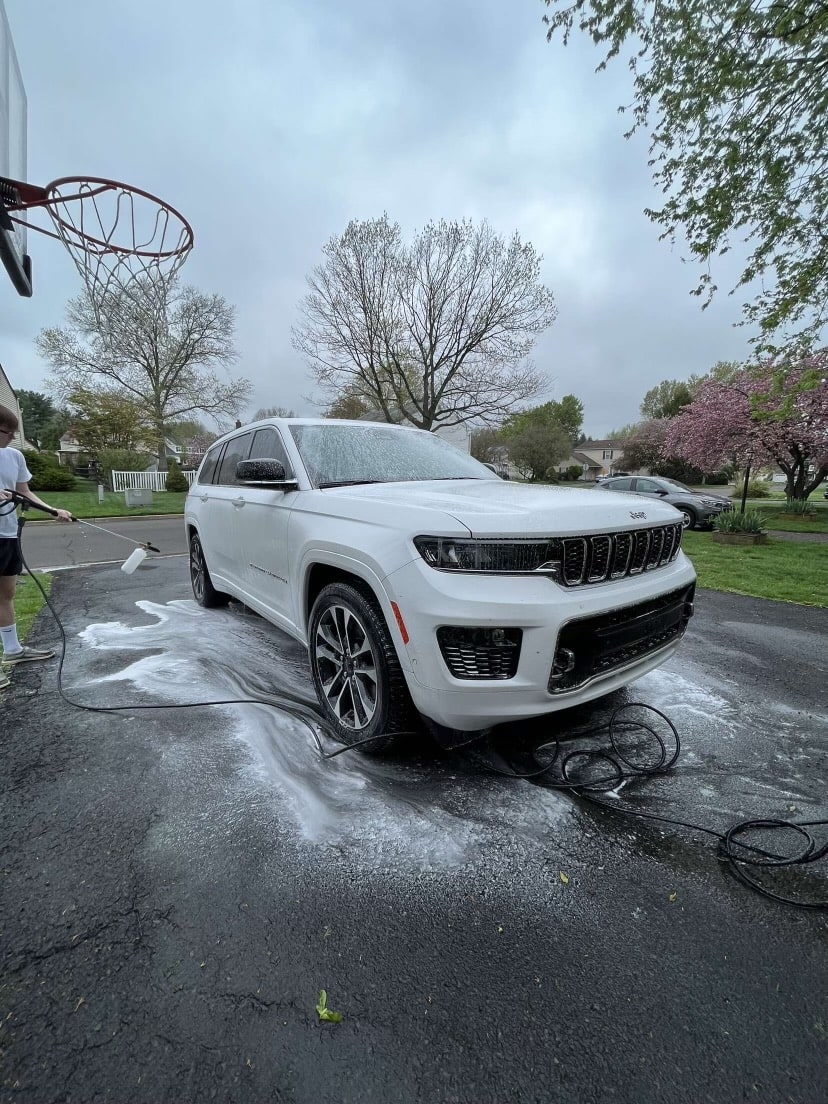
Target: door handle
{"points": [[204, 498], [238, 502]]}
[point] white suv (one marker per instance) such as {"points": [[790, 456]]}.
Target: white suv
{"points": [[420, 582]]}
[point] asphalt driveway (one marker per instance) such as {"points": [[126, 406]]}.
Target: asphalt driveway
{"points": [[178, 885]]}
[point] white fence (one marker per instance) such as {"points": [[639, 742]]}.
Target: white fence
{"points": [[145, 481]]}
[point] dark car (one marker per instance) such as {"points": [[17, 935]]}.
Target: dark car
{"points": [[700, 508]]}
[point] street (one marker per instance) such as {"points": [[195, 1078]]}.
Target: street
{"points": [[179, 885], [55, 544]]}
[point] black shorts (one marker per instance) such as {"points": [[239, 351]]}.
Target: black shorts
{"points": [[11, 562]]}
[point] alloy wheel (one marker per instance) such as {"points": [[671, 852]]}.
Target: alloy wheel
{"points": [[197, 569], [347, 667]]}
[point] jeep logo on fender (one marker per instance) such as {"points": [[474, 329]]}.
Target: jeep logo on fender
{"points": [[637, 516]]}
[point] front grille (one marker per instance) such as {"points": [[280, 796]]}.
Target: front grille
{"points": [[594, 646], [472, 653], [595, 559]]}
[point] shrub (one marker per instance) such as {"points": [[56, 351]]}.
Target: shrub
{"points": [[757, 488], [175, 478], [800, 506], [673, 468], [751, 521], [716, 479], [47, 474], [110, 460]]}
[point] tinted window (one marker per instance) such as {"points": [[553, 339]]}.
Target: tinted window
{"points": [[267, 445], [208, 464], [620, 484], [648, 485], [236, 450]]}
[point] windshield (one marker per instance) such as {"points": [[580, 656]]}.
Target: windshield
{"points": [[675, 483], [340, 454]]}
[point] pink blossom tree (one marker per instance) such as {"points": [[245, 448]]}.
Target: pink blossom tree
{"points": [[773, 414]]}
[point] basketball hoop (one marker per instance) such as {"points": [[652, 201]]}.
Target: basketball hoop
{"points": [[121, 238]]}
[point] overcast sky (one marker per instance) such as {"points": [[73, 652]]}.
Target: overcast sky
{"points": [[271, 123]]}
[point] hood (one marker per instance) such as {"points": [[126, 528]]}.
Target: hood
{"points": [[714, 495], [494, 508]]}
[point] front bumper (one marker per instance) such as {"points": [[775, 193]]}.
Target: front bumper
{"points": [[616, 632], [710, 513]]}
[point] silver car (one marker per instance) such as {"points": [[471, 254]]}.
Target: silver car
{"points": [[699, 508]]}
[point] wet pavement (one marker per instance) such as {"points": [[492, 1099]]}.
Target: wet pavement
{"points": [[178, 885]]}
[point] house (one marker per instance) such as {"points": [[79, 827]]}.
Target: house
{"points": [[172, 451], [596, 458], [69, 449], [9, 399]]}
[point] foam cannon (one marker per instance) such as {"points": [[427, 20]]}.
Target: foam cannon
{"points": [[136, 557]]}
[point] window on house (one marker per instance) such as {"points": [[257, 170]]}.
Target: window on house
{"points": [[607, 454]]}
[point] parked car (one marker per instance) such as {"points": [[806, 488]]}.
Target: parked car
{"points": [[699, 508], [421, 583]]}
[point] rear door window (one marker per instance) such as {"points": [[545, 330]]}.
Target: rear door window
{"points": [[236, 451], [208, 467]]}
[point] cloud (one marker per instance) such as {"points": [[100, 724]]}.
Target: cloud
{"points": [[270, 125]]}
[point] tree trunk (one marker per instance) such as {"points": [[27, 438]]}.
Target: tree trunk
{"points": [[160, 439]]}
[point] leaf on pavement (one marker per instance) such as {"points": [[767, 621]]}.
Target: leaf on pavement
{"points": [[325, 1014]]}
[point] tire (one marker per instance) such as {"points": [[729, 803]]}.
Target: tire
{"points": [[203, 590], [355, 671], [690, 518]]}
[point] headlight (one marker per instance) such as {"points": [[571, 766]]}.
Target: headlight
{"points": [[500, 557], [711, 501]]}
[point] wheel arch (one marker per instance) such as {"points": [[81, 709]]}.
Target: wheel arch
{"points": [[320, 573]]}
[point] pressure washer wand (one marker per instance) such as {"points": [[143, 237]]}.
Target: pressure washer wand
{"points": [[22, 500]]}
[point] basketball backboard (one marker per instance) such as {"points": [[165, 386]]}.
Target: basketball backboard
{"points": [[13, 135]]}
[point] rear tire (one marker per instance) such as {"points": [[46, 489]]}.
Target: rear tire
{"points": [[356, 674], [203, 590]]}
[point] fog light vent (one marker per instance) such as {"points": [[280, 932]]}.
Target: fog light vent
{"points": [[475, 653]]}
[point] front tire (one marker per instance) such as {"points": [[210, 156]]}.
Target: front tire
{"points": [[203, 590], [356, 674], [690, 519]]}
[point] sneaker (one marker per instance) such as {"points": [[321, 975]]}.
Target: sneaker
{"points": [[27, 655], [5, 681]]}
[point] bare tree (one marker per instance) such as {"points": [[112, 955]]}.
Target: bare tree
{"points": [[162, 345], [272, 412], [437, 331]]}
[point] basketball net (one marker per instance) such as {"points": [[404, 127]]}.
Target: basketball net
{"points": [[125, 242]]}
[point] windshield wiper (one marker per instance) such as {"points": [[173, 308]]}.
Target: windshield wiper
{"points": [[346, 483]]}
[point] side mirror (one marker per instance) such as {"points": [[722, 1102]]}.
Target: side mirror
{"points": [[264, 473]]}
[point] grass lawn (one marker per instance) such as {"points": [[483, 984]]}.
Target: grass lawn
{"points": [[773, 515], [28, 602], [84, 504], [787, 571]]}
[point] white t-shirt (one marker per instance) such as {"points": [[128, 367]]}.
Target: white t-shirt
{"points": [[13, 470]]}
